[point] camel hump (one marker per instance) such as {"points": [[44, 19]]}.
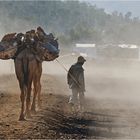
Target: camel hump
{"points": [[8, 37]]}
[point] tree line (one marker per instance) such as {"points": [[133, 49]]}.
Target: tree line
{"points": [[71, 21]]}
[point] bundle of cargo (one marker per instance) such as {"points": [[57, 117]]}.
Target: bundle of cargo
{"points": [[37, 41], [42, 49], [41, 44], [8, 46]]}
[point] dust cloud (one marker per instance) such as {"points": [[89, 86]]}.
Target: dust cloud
{"points": [[105, 79], [6, 67]]}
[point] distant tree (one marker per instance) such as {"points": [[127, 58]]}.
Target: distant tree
{"points": [[115, 13], [128, 15]]}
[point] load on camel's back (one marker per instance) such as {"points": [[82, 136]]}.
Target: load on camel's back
{"points": [[40, 43], [8, 46]]}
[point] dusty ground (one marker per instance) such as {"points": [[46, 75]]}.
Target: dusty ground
{"points": [[112, 107]]}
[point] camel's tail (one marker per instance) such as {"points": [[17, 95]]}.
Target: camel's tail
{"points": [[25, 71]]}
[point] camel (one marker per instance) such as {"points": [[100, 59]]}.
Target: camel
{"points": [[28, 70]]}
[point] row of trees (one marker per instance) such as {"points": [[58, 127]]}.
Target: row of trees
{"points": [[71, 21]]}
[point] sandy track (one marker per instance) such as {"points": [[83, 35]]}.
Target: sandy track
{"points": [[106, 118]]}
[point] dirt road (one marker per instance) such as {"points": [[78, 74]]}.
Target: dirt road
{"points": [[112, 108]]}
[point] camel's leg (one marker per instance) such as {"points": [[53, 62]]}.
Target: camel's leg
{"points": [[28, 99], [22, 97], [33, 107], [39, 95], [19, 74], [39, 85]]}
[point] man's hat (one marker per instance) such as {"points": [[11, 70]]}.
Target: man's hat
{"points": [[81, 59]]}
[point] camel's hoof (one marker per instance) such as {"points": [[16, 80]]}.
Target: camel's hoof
{"points": [[39, 106], [28, 116], [22, 119], [33, 111]]}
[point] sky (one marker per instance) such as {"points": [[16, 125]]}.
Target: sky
{"points": [[118, 5]]}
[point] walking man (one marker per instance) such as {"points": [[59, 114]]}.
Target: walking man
{"points": [[76, 82]]}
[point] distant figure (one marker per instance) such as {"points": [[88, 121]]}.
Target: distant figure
{"points": [[76, 82]]}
